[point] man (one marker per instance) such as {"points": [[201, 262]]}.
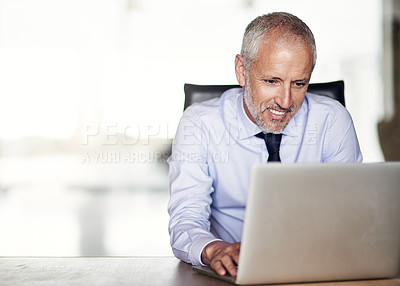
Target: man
{"points": [[218, 141]]}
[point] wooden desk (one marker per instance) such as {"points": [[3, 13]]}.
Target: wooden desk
{"points": [[109, 271]]}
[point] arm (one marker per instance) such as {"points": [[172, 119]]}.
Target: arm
{"points": [[341, 143], [189, 209], [191, 188]]}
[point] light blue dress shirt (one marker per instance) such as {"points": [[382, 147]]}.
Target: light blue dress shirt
{"points": [[214, 150]]}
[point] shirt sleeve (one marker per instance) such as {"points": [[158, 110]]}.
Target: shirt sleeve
{"points": [[341, 143], [190, 191]]}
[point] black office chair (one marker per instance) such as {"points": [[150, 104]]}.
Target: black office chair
{"points": [[198, 93]]}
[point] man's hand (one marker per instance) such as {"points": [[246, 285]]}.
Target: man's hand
{"points": [[222, 256]]}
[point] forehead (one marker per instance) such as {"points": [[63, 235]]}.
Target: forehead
{"points": [[289, 57]]}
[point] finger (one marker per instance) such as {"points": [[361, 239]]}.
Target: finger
{"points": [[229, 265], [235, 254], [235, 257], [217, 266]]}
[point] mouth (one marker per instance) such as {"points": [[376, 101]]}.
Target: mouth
{"points": [[278, 114]]}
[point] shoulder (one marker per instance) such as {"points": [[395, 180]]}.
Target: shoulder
{"points": [[324, 102], [323, 106], [213, 110]]}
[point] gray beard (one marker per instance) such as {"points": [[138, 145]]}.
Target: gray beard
{"points": [[248, 99]]}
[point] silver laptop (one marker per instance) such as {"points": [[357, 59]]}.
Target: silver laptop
{"points": [[320, 222]]}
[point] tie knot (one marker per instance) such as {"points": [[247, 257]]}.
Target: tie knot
{"points": [[273, 142]]}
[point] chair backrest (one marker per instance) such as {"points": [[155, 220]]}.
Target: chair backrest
{"points": [[198, 93]]}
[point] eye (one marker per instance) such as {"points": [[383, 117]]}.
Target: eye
{"points": [[270, 81], [299, 84]]}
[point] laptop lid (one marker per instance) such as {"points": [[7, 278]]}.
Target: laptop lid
{"points": [[321, 222]]}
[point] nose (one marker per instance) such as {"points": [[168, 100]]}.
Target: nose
{"points": [[284, 99]]}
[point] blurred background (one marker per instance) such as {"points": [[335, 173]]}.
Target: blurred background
{"points": [[91, 93]]}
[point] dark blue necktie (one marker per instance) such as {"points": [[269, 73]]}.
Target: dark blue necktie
{"points": [[273, 142]]}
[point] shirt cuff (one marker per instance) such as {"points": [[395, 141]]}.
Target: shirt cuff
{"points": [[199, 247]]}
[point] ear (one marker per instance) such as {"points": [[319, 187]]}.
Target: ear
{"points": [[240, 70]]}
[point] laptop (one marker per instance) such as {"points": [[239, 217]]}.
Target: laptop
{"points": [[320, 222]]}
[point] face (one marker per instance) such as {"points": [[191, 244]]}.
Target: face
{"points": [[275, 85]]}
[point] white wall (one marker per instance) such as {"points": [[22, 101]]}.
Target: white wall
{"points": [[65, 64]]}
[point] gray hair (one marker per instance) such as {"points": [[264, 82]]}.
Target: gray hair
{"points": [[281, 26]]}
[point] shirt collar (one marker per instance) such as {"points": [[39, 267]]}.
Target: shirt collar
{"points": [[247, 128]]}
